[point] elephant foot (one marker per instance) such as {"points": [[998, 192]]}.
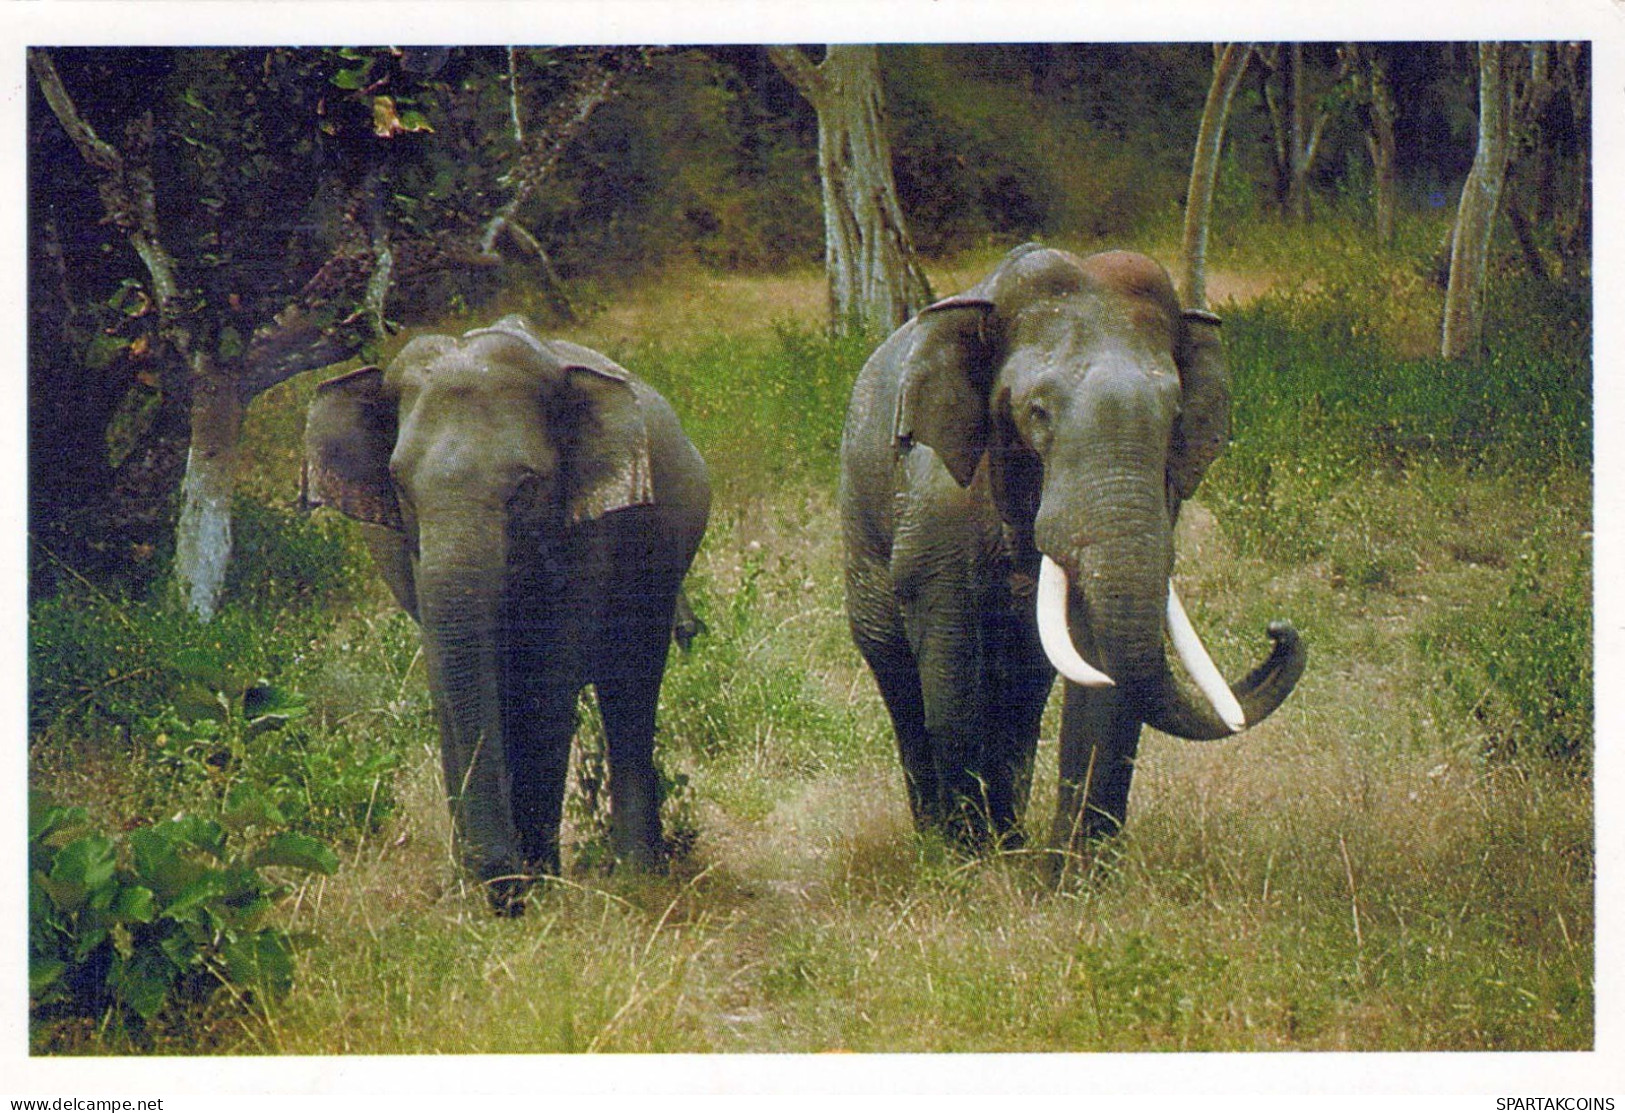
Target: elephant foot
{"points": [[506, 890]]}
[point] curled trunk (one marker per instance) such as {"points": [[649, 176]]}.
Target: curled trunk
{"points": [[1123, 627]]}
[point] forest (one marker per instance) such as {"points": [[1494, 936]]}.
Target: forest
{"points": [[239, 842]]}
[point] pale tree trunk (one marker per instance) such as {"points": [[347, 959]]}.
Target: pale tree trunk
{"points": [[1513, 84], [1230, 62], [875, 282], [203, 537]]}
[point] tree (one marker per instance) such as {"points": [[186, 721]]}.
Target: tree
{"points": [[1229, 63], [1377, 99], [1285, 77], [290, 203], [875, 282], [1514, 82]]}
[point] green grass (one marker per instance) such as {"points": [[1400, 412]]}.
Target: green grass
{"points": [[1401, 859]]}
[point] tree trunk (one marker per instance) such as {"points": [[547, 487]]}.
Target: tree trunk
{"points": [[1228, 67], [1297, 195], [203, 537], [875, 283], [1381, 143], [1463, 329]]}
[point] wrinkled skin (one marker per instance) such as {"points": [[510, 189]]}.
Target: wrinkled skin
{"points": [[1062, 407], [535, 508]]}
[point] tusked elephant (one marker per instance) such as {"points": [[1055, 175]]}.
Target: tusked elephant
{"points": [[534, 507], [1012, 465]]}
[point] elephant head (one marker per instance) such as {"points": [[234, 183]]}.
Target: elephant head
{"points": [[470, 458], [1097, 405]]}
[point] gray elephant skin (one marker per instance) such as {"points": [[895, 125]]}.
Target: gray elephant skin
{"points": [[534, 507], [1012, 467]]}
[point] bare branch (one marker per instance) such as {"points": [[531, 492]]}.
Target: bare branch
{"points": [[568, 115], [125, 187]]}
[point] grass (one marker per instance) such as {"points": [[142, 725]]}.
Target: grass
{"points": [[1371, 869]]}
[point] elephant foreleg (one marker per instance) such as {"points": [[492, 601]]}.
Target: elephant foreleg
{"points": [[540, 733], [1100, 736], [898, 679], [627, 701], [1019, 683]]}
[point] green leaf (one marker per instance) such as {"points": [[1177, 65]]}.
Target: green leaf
{"points": [[55, 825], [103, 351], [65, 896], [134, 418], [82, 867], [352, 79], [143, 982], [247, 807], [297, 851], [210, 886], [159, 864], [271, 708], [134, 905], [207, 668], [199, 833], [42, 973], [263, 960]]}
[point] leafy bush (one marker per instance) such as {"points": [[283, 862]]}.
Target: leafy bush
{"points": [[212, 706], [163, 915], [1322, 401], [283, 560], [1522, 664]]}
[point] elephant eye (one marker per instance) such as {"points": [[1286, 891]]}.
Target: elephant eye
{"points": [[1038, 426]]}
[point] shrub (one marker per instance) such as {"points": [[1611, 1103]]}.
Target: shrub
{"points": [[163, 915], [212, 705], [1521, 664]]}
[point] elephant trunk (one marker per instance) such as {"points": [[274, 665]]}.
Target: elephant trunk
{"points": [[460, 581], [1119, 602]]}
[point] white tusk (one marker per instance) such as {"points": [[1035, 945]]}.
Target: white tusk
{"points": [[1053, 634], [1194, 657]]}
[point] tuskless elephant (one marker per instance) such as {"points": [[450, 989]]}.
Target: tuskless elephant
{"points": [[534, 507], [1012, 466]]}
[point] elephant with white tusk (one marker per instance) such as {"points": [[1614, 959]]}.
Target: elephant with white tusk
{"points": [[535, 508], [1012, 467]]}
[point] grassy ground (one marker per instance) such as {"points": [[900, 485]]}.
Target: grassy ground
{"points": [[1353, 874]]}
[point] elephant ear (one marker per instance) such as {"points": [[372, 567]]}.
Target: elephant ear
{"points": [[605, 460], [947, 370], [349, 436], [1203, 428]]}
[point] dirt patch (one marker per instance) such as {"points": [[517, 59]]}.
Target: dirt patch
{"points": [[1230, 288]]}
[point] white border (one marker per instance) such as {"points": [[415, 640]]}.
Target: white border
{"points": [[1453, 1080]]}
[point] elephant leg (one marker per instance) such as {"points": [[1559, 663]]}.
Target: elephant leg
{"points": [[960, 729], [1100, 735], [1019, 683], [898, 679], [627, 698], [877, 630], [540, 734]]}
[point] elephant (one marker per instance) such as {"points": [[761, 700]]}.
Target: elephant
{"points": [[535, 508], [1013, 463]]}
